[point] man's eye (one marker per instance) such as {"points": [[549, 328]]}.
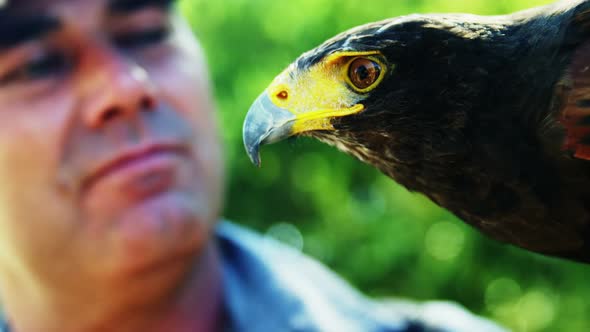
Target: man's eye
{"points": [[143, 38], [43, 66]]}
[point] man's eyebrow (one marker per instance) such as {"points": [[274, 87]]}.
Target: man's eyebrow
{"points": [[19, 28], [129, 6]]}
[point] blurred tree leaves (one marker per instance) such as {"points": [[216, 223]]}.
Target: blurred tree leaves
{"points": [[383, 239]]}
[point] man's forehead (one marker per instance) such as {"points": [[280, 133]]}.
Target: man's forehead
{"points": [[27, 6]]}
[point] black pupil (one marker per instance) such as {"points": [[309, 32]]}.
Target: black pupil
{"points": [[362, 72]]}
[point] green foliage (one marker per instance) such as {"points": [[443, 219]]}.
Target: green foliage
{"points": [[386, 241]]}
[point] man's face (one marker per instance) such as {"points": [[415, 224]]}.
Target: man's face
{"points": [[109, 157]]}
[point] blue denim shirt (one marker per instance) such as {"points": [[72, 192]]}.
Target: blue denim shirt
{"points": [[273, 288], [270, 287]]}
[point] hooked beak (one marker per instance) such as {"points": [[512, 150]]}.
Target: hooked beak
{"points": [[265, 123]]}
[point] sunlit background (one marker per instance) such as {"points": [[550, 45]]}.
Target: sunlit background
{"points": [[384, 240]]}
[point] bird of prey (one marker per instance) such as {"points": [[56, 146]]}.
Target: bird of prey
{"points": [[488, 116]]}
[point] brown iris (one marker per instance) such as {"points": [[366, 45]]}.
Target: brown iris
{"points": [[363, 73]]}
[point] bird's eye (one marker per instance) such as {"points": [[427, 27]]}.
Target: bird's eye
{"points": [[363, 73]]}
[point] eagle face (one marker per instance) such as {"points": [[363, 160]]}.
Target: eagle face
{"points": [[313, 93]]}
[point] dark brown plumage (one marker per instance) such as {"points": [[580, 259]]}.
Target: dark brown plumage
{"points": [[487, 116]]}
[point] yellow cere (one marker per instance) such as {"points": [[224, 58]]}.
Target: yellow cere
{"points": [[321, 92]]}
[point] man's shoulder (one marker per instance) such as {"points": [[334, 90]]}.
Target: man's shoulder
{"points": [[292, 292]]}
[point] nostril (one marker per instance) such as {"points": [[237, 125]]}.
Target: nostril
{"points": [[147, 104], [283, 95], [110, 114], [144, 104]]}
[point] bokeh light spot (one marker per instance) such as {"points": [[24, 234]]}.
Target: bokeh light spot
{"points": [[444, 240], [286, 233], [501, 292], [536, 311]]}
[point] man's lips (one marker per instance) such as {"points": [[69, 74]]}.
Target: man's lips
{"points": [[140, 159]]}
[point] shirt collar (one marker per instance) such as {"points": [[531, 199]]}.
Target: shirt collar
{"points": [[269, 287]]}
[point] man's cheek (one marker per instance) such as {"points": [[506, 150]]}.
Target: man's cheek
{"points": [[190, 96], [30, 153], [23, 160], [31, 131], [187, 88], [34, 216]]}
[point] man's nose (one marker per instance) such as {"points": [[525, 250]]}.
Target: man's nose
{"points": [[115, 87]]}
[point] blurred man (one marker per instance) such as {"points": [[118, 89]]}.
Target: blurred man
{"points": [[111, 189]]}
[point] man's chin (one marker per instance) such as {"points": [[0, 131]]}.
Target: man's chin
{"points": [[165, 229]]}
